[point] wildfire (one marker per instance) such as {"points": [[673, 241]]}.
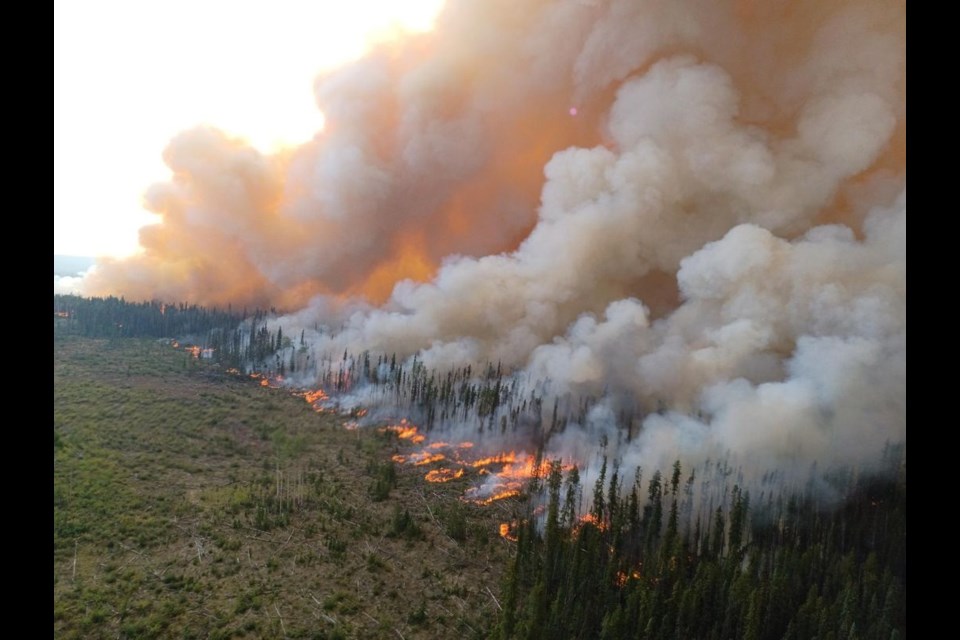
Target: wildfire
{"points": [[501, 458], [196, 351], [498, 495], [447, 445], [317, 399], [506, 472], [623, 576], [589, 518], [313, 397], [420, 459], [443, 475], [406, 431], [273, 383], [506, 531]]}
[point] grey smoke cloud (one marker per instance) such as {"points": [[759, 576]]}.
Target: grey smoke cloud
{"points": [[717, 237]]}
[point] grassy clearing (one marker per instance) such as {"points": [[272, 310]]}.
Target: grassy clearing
{"points": [[189, 503]]}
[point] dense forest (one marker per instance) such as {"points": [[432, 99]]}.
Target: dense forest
{"points": [[655, 563], [668, 556], [113, 317]]}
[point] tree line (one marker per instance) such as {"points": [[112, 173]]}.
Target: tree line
{"points": [[113, 317], [656, 563]]}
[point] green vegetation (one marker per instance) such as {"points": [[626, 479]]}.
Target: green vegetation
{"points": [[189, 503], [194, 503], [115, 317]]}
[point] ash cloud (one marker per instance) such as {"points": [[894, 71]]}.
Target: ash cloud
{"points": [[717, 236]]}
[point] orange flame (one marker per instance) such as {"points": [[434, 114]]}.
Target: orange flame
{"points": [[500, 458], [589, 518], [515, 469], [419, 459], [406, 431], [447, 445], [506, 531], [313, 397], [443, 475], [502, 495]]}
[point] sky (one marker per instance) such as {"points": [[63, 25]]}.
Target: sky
{"points": [[128, 76]]}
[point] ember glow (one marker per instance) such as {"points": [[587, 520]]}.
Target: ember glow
{"points": [[623, 577]]}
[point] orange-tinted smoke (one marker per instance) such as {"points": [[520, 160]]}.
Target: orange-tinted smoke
{"points": [[407, 172], [435, 146]]}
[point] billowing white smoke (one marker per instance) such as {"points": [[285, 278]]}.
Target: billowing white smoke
{"points": [[720, 241]]}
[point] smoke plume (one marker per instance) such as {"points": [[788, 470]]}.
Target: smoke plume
{"points": [[694, 208]]}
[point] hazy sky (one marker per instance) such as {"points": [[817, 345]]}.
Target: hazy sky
{"points": [[129, 75]]}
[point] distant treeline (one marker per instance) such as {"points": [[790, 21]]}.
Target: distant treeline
{"points": [[115, 317], [659, 564]]}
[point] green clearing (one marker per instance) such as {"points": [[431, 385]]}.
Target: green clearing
{"points": [[190, 503]]}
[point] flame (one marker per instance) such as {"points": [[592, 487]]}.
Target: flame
{"points": [[589, 518], [506, 531], [420, 459], [443, 475], [507, 472], [265, 381], [313, 397], [500, 458], [447, 445], [500, 495], [406, 431], [319, 401], [197, 352], [623, 577]]}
